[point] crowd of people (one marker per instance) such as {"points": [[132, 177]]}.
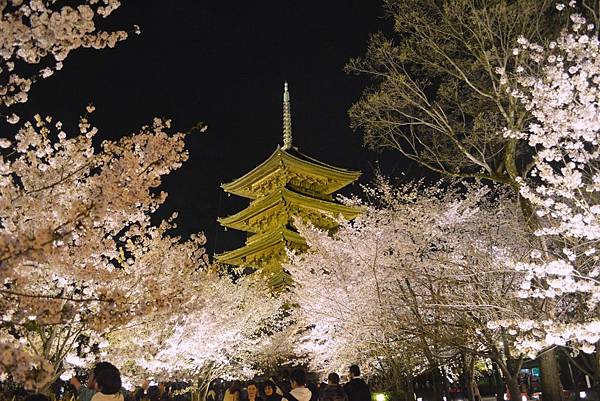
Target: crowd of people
{"points": [[296, 389], [104, 384]]}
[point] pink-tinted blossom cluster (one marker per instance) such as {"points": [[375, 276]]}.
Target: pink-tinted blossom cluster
{"points": [[43, 33]]}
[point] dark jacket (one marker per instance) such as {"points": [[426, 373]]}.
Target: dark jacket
{"points": [[357, 390], [273, 397], [334, 392]]}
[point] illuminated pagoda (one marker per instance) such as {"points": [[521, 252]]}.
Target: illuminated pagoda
{"points": [[287, 185]]}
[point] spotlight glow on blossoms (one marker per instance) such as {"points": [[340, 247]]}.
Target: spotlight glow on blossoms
{"points": [[413, 252], [218, 335], [564, 100]]}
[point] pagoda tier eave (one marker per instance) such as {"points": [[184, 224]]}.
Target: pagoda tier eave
{"points": [[281, 159], [239, 221], [259, 243]]}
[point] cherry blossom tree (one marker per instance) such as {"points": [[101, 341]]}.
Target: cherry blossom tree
{"points": [[411, 284], [230, 329], [42, 33], [79, 255], [438, 94], [564, 102]]}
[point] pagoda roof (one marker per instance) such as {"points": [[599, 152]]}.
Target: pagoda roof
{"points": [[293, 160], [260, 243], [240, 220]]}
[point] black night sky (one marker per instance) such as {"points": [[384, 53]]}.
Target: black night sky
{"points": [[224, 63]]}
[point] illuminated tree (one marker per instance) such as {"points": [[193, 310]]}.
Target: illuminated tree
{"points": [[227, 330], [411, 284], [79, 254], [441, 94], [564, 100]]}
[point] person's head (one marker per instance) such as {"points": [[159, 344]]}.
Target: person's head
{"points": [[153, 393], [269, 388], [354, 371], [333, 378], [107, 378], [298, 378], [235, 386], [252, 389]]}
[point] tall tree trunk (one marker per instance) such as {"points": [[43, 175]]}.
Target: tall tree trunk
{"points": [[550, 372], [510, 370], [468, 362], [402, 382], [437, 385], [588, 364], [499, 382], [408, 389], [513, 388]]}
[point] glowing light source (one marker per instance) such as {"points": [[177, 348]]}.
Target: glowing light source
{"points": [[582, 394], [379, 397]]}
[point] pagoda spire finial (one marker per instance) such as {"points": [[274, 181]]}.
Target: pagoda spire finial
{"points": [[287, 119]]}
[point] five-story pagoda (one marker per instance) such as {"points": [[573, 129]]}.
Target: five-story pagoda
{"points": [[287, 185]]}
